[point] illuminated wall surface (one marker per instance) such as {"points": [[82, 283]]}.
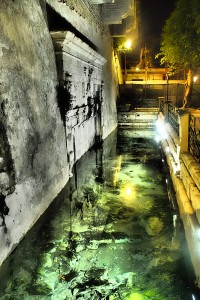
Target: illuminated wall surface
{"points": [[39, 141], [110, 234]]}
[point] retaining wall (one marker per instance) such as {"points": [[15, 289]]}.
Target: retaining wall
{"points": [[41, 135]]}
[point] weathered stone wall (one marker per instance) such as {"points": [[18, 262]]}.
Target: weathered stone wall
{"points": [[32, 145], [84, 17], [35, 146], [80, 92]]}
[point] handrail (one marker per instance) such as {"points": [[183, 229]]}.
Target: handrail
{"points": [[173, 117], [194, 136], [162, 104], [171, 113]]}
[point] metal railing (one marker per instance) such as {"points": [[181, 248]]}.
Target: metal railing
{"points": [[173, 117], [162, 104], [194, 137], [171, 113]]}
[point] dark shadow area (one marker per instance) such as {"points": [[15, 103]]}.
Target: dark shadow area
{"points": [[7, 172], [4, 210], [146, 95], [56, 22], [64, 97]]}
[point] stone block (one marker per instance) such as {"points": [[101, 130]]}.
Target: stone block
{"points": [[196, 177], [188, 209], [187, 179], [72, 121], [198, 215], [4, 182], [184, 202], [195, 197], [193, 168], [1, 162]]}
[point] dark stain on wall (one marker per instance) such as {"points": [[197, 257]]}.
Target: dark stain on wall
{"points": [[90, 107], [64, 96], [5, 151], [4, 210], [7, 172], [90, 71]]}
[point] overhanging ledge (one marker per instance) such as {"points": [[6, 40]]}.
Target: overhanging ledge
{"points": [[66, 41]]}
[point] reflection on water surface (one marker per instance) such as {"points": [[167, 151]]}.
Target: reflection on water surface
{"points": [[110, 234]]}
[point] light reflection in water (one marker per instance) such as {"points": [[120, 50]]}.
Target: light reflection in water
{"points": [[117, 171]]}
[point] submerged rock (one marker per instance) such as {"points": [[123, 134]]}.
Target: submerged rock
{"points": [[152, 225], [39, 288], [135, 296]]}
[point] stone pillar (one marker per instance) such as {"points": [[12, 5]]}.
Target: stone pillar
{"points": [[184, 130], [166, 111]]}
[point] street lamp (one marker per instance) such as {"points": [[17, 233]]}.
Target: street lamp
{"points": [[124, 47], [128, 44], [127, 47], [195, 78]]}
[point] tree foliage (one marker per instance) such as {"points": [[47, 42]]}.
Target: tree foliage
{"points": [[180, 45]]}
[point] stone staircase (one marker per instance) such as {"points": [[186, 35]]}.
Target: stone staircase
{"points": [[138, 117]]}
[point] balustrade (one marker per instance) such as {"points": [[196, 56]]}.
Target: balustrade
{"points": [[194, 136], [190, 132], [173, 117], [171, 114]]}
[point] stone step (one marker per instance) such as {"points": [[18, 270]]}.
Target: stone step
{"points": [[137, 124]]}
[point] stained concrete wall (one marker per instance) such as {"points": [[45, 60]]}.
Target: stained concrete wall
{"points": [[80, 92], [86, 19], [33, 149], [34, 152]]}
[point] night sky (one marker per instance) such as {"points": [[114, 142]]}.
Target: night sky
{"points": [[153, 16]]}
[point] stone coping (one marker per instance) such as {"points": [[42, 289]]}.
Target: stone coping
{"points": [[193, 167]]}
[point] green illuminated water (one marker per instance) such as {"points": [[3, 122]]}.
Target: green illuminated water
{"points": [[111, 233]]}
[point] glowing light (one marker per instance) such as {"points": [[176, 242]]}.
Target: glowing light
{"points": [[174, 220], [157, 139], [195, 78], [198, 234], [167, 149], [128, 44], [193, 297], [117, 170], [128, 191], [176, 169], [137, 68], [161, 131]]}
